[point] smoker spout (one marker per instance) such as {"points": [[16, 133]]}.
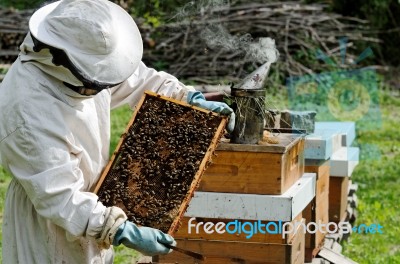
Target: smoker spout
{"points": [[255, 80]]}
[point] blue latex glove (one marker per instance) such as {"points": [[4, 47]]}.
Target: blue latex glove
{"points": [[196, 98], [146, 240]]}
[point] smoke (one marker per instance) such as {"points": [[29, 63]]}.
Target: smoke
{"points": [[262, 51], [200, 7], [216, 36]]}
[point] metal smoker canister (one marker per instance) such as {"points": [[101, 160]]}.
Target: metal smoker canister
{"points": [[249, 96], [249, 121]]}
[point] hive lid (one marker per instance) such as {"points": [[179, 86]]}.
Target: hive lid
{"points": [[285, 143]]}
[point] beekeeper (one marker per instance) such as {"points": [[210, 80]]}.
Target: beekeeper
{"points": [[80, 59]]}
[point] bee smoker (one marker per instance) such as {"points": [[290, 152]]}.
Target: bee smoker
{"points": [[249, 104]]}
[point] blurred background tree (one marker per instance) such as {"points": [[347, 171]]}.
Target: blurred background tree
{"points": [[22, 4], [382, 14]]}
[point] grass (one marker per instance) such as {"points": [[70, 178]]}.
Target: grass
{"points": [[4, 181], [378, 179], [379, 185]]}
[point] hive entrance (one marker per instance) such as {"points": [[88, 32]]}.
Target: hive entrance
{"points": [[159, 161]]}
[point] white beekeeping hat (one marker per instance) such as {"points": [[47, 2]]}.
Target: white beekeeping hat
{"points": [[100, 38]]}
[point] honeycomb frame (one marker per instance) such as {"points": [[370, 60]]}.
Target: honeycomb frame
{"points": [[159, 161]]}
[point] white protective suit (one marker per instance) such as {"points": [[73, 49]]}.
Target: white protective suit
{"points": [[55, 143]]}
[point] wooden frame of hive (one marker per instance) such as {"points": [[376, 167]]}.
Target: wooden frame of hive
{"points": [[114, 162]]}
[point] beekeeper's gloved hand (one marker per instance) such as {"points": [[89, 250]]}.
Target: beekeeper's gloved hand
{"points": [[196, 98], [146, 240]]}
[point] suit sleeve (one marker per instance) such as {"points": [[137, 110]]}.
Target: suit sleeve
{"points": [[144, 78]]}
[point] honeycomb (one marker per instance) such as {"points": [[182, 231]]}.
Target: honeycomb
{"points": [[159, 161]]}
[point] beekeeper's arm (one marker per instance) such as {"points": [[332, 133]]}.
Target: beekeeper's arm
{"points": [[144, 78]]}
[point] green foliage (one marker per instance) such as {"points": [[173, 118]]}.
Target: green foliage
{"points": [[378, 193], [124, 255], [22, 4], [383, 17], [119, 119], [3, 70], [5, 179], [156, 12]]}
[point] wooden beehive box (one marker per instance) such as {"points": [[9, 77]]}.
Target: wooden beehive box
{"points": [[159, 161], [256, 169], [318, 210], [338, 191], [222, 251], [197, 230]]}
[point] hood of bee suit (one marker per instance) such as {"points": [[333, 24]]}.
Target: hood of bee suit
{"points": [[100, 39], [43, 60]]}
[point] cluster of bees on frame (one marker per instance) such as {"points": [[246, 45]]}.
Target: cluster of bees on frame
{"points": [[157, 162]]}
